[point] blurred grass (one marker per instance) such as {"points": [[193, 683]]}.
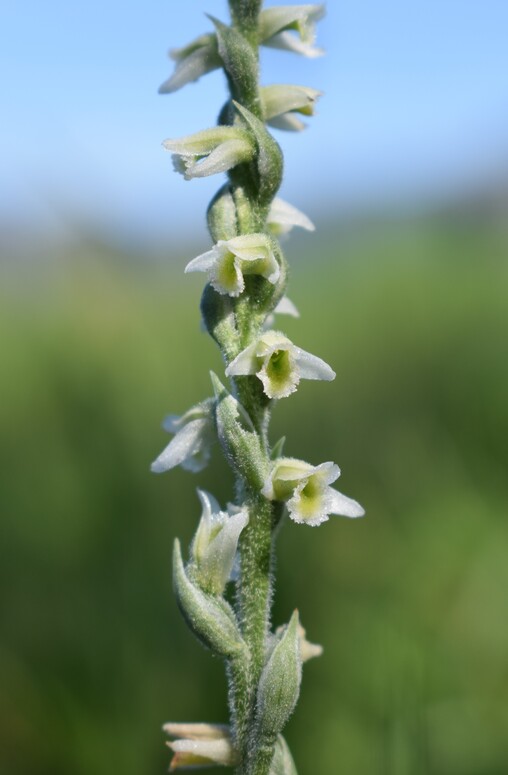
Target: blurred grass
{"points": [[410, 603]]}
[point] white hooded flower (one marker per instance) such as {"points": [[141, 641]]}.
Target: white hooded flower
{"points": [[230, 260], [214, 546], [282, 104], [210, 151], [200, 745], [277, 25], [192, 61], [307, 492], [190, 448], [279, 364], [282, 217]]}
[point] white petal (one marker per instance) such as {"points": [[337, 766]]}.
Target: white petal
{"points": [[286, 307], [209, 504], [289, 42], [202, 263], [287, 122], [215, 751], [205, 141], [196, 731], [201, 61], [283, 214], [227, 155], [220, 557], [244, 363], [187, 442], [312, 367], [342, 505], [272, 20]]}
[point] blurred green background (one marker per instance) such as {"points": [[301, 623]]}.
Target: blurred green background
{"points": [[410, 603]]}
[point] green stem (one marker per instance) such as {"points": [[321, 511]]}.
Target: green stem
{"points": [[244, 14]]}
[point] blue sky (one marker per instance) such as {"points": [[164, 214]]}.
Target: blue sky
{"points": [[415, 105]]}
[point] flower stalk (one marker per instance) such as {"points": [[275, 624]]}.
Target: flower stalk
{"points": [[247, 278]]}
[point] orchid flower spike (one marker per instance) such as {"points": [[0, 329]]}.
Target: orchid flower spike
{"points": [[277, 24], [190, 448], [282, 217], [192, 61], [210, 151], [214, 546], [281, 104], [229, 260], [279, 364], [200, 745], [307, 492]]}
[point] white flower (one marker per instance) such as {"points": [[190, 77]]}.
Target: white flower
{"points": [[210, 151], [279, 364], [230, 260], [282, 217], [281, 103], [190, 448], [307, 492], [200, 745], [277, 24], [192, 61], [215, 543]]}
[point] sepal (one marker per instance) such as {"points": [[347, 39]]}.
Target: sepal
{"points": [[282, 217], [238, 438], [210, 151], [279, 685], [308, 650], [191, 444], [199, 57], [281, 103], [211, 619]]}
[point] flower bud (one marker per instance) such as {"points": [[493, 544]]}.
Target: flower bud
{"points": [[213, 549], [210, 618], [279, 685], [308, 650]]}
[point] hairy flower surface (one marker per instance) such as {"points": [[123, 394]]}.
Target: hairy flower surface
{"points": [[190, 448], [282, 103], [192, 61], [210, 151], [279, 364], [200, 745], [277, 25], [229, 260], [215, 543], [306, 490]]}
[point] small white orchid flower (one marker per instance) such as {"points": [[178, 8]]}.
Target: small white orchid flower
{"points": [[200, 745], [279, 364], [190, 448], [307, 492], [281, 103], [230, 260], [210, 151], [277, 24], [192, 61], [214, 546], [282, 217]]}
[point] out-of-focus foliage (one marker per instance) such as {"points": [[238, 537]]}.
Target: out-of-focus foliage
{"points": [[410, 603]]}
